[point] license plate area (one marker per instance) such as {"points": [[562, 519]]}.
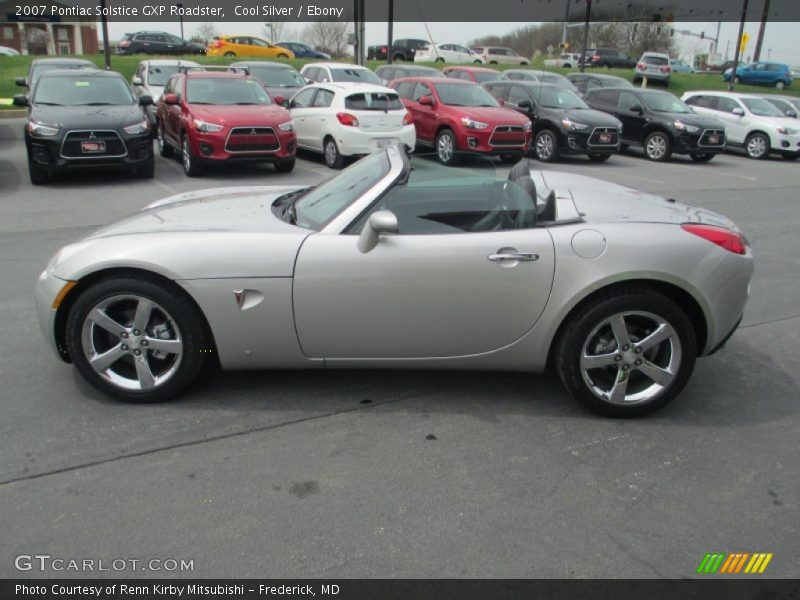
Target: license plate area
{"points": [[93, 147], [713, 139], [605, 138]]}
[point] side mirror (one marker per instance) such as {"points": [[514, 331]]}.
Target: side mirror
{"points": [[170, 98], [280, 100], [21, 82], [380, 222], [20, 100], [145, 100], [637, 108], [738, 111], [324, 80], [308, 80], [426, 101], [137, 80], [526, 104]]}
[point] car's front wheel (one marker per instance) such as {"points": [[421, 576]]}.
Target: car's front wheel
{"points": [[136, 339], [545, 145], [658, 146], [190, 165], [757, 146], [627, 352], [164, 149], [779, 85], [701, 157], [446, 149]]}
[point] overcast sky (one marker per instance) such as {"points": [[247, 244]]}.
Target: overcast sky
{"points": [[781, 38]]}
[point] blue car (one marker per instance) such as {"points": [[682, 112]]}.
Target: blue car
{"points": [[678, 66], [302, 50], [762, 73]]}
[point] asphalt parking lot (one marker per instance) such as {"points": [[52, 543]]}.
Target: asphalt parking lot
{"points": [[401, 474]]}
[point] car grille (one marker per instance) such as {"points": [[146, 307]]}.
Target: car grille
{"points": [[704, 139], [594, 138], [252, 139], [507, 135], [71, 147]]}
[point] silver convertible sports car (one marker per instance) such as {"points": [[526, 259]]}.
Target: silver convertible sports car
{"points": [[399, 262]]}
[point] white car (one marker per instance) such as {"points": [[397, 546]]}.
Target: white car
{"points": [[498, 55], [333, 72], [6, 51], [750, 121], [152, 75], [565, 61], [447, 53], [347, 119]]}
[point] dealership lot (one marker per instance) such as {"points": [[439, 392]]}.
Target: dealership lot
{"points": [[392, 474]]}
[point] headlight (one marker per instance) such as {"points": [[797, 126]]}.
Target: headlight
{"points": [[206, 127], [681, 126], [288, 126], [39, 130], [786, 130], [571, 125], [528, 126], [138, 128], [471, 123]]}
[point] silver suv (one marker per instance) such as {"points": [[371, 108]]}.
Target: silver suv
{"points": [[654, 66]]}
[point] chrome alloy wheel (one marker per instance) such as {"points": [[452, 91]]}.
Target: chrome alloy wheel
{"points": [[160, 139], [331, 152], [444, 148], [756, 146], [656, 147], [187, 155], [630, 358], [132, 342], [544, 146]]}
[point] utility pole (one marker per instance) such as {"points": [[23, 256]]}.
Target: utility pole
{"points": [[760, 40], [582, 61], [716, 41], [391, 32], [738, 45], [564, 33]]}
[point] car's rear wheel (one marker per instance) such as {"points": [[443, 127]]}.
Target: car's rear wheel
{"points": [[757, 146], [148, 169], [230, 54], [545, 145], [599, 157], [283, 55], [626, 353], [136, 339], [190, 165], [164, 149], [284, 165], [333, 158], [779, 85], [701, 157], [446, 149], [658, 146], [38, 173]]}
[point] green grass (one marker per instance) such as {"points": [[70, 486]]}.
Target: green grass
{"points": [[17, 66]]}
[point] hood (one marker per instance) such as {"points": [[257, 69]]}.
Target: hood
{"points": [[595, 118], [235, 115], [601, 201], [494, 115], [87, 117]]}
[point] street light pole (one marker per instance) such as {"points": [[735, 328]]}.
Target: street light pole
{"points": [[564, 33], [582, 61], [738, 45], [179, 6], [104, 22]]}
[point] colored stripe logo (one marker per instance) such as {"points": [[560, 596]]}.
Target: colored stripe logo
{"points": [[734, 563]]}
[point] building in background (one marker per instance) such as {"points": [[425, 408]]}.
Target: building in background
{"points": [[45, 35]]}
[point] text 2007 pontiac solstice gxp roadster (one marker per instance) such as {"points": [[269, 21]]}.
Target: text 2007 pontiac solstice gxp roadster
{"points": [[403, 263]]}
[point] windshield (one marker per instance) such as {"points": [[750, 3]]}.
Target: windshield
{"points": [[225, 91], [57, 90], [358, 75], [382, 101], [461, 94], [483, 77], [664, 102], [319, 206], [762, 108], [558, 80], [39, 70], [553, 97], [159, 74], [273, 77]]}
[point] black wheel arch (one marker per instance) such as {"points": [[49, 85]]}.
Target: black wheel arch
{"points": [[653, 128]]}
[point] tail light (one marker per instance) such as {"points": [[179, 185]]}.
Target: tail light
{"points": [[216, 44], [385, 49], [595, 57], [408, 119], [666, 69], [641, 66], [347, 119], [730, 240]]}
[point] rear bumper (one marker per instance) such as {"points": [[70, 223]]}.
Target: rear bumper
{"points": [[353, 141]]}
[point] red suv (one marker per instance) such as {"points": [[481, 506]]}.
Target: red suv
{"points": [[474, 74], [461, 117], [222, 117]]}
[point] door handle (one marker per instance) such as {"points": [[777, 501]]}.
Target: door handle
{"points": [[513, 257]]}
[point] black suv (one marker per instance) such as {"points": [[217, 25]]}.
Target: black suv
{"points": [[86, 119], [589, 81], [404, 49], [157, 42], [562, 122], [43, 65], [660, 122], [610, 57]]}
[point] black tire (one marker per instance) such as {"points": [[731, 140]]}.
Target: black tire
{"points": [[284, 165], [658, 146], [510, 159], [444, 140], [599, 157], [544, 150], [637, 80], [756, 146], [333, 158], [398, 58], [191, 167], [701, 157], [39, 174], [186, 320], [164, 149], [230, 54], [148, 169], [283, 56], [580, 330]]}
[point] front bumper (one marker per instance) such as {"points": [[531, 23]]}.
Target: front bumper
{"points": [[588, 142], [690, 143], [487, 141], [130, 151], [786, 144], [353, 141], [47, 289], [216, 147]]}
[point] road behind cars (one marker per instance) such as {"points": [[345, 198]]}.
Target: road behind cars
{"points": [[420, 474]]}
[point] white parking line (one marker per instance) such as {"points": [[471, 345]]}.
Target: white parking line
{"points": [[601, 176], [712, 172], [168, 188]]}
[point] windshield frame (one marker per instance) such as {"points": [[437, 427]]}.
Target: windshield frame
{"points": [[255, 71], [644, 94]]}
